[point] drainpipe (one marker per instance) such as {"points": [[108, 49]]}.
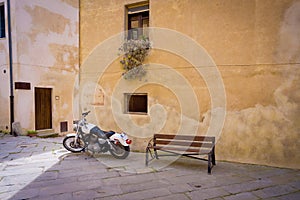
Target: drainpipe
{"points": [[11, 97]]}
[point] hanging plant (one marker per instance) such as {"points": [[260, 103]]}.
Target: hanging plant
{"points": [[134, 53]]}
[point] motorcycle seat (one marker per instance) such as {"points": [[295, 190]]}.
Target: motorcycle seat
{"points": [[108, 134]]}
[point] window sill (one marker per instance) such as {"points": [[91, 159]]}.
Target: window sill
{"points": [[136, 113]]}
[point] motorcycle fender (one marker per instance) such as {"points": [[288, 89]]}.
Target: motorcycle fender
{"points": [[119, 138], [71, 134]]}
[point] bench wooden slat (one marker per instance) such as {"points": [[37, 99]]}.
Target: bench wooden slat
{"points": [[185, 143], [200, 151], [185, 137]]}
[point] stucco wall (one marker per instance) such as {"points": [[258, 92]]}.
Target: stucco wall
{"points": [[4, 89], [47, 56], [45, 38], [263, 115], [255, 46], [4, 81]]}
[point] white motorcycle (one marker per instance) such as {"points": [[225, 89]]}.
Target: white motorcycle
{"points": [[91, 138]]}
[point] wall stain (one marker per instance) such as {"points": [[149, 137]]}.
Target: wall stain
{"points": [[66, 56], [45, 22], [266, 135]]}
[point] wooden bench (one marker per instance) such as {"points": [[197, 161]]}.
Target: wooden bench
{"points": [[185, 145]]}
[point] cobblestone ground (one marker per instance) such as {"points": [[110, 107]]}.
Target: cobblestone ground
{"points": [[34, 168]]}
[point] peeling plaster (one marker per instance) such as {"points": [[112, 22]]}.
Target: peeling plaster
{"points": [[255, 44], [66, 56], [45, 22], [269, 134], [47, 43]]}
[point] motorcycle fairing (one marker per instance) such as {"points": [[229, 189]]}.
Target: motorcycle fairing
{"points": [[120, 137]]}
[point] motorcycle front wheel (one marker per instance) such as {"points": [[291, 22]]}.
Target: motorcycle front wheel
{"points": [[119, 151], [70, 144]]}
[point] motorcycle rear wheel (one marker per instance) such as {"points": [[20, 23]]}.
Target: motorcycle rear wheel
{"points": [[69, 144], [119, 151]]}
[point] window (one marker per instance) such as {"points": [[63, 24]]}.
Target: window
{"points": [[136, 103], [138, 18], [2, 21]]}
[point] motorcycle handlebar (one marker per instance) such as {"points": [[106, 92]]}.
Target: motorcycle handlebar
{"points": [[86, 113]]}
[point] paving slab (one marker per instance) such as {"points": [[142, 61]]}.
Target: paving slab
{"points": [[40, 168]]}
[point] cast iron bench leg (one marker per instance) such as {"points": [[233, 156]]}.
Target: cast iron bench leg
{"points": [[147, 156], [209, 164], [155, 152], [213, 159]]}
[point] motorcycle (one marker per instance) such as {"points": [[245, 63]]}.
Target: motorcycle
{"points": [[89, 137]]}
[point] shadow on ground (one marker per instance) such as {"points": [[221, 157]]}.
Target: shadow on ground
{"points": [[42, 169]]}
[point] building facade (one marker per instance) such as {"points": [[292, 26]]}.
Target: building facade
{"points": [[45, 53], [223, 68]]}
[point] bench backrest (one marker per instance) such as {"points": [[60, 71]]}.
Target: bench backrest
{"points": [[186, 143]]}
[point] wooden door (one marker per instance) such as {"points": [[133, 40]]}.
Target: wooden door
{"points": [[43, 108]]}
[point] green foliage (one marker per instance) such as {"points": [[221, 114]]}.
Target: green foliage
{"points": [[4, 131], [134, 54], [31, 132]]}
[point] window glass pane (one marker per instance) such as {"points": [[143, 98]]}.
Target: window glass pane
{"points": [[146, 22], [134, 34], [135, 24]]}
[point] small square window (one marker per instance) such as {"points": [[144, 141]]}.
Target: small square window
{"points": [[136, 103]]}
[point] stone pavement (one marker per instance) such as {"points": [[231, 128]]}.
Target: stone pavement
{"points": [[35, 168]]}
